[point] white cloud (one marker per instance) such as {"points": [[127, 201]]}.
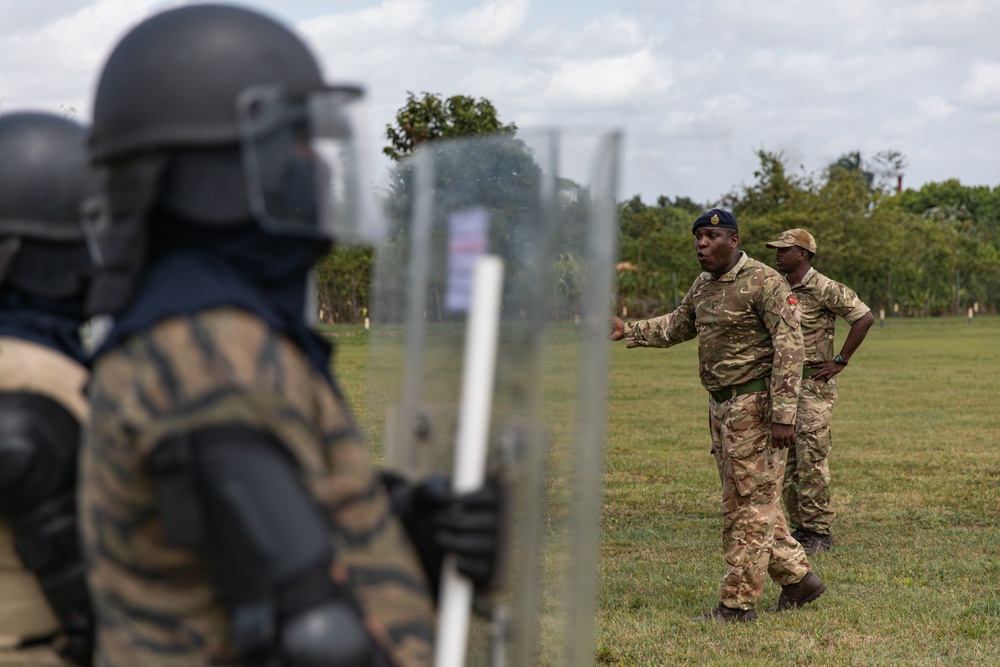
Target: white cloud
{"points": [[607, 81], [488, 25], [935, 107], [376, 39], [54, 63], [941, 23], [698, 86], [608, 35], [983, 84], [613, 32], [386, 22]]}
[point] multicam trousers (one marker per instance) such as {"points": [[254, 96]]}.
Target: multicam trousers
{"points": [[807, 476], [755, 538]]}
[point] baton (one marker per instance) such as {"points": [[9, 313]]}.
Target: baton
{"points": [[470, 447]]}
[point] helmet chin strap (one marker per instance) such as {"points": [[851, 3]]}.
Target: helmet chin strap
{"points": [[132, 190], [8, 251]]}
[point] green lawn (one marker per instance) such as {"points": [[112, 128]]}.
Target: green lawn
{"points": [[916, 469]]}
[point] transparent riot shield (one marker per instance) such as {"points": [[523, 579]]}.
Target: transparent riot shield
{"points": [[542, 207]]}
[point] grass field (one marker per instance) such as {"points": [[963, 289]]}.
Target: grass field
{"points": [[914, 577]]}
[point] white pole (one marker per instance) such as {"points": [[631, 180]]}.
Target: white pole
{"points": [[470, 447]]}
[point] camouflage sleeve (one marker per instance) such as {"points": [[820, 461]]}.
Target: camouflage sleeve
{"points": [[665, 330], [781, 317], [843, 301]]}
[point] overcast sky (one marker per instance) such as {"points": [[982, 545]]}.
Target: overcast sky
{"points": [[697, 85]]}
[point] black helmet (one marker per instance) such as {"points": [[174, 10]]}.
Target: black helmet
{"points": [[45, 181], [219, 116], [173, 81]]}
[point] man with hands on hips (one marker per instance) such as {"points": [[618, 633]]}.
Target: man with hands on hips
{"points": [[806, 490]]}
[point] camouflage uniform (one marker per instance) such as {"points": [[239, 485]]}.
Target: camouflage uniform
{"points": [[807, 476], [24, 612], [747, 330], [156, 603]]}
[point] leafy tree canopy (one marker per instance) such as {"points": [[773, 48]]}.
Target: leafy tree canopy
{"points": [[431, 117]]}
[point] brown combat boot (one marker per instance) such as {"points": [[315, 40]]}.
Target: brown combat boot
{"points": [[724, 614], [803, 592]]}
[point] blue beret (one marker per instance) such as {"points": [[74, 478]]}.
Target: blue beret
{"points": [[716, 217]]}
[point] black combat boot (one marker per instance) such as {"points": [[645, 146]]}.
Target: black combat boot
{"points": [[814, 542], [798, 594], [724, 614]]}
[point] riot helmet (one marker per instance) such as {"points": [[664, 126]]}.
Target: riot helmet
{"points": [[219, 116], [46, 182]]}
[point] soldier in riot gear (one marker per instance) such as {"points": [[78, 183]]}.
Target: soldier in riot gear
{"points": [[230, 511], [44, 266]]}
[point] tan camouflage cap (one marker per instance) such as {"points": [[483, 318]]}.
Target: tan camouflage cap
{"points": [[798, 237]]}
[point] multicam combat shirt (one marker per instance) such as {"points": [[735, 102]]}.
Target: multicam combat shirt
{"points": [[156, 603], [747, 324], [821, 299]]}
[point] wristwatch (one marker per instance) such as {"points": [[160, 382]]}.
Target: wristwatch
{"points": [[839, 360]]}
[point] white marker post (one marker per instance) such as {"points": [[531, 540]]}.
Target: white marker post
{"points": [[471, 443]]}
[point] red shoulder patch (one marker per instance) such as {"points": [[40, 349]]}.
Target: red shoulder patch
{"points": [[792, 299]]}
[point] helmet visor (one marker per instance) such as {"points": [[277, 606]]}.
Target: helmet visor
{"points": [[307, 163]]}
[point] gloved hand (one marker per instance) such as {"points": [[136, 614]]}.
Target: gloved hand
{"points": [[466, 525], [76, 642], [440, 521]]}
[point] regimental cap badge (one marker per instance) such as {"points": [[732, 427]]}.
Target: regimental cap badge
{"points": [[716, 217]]}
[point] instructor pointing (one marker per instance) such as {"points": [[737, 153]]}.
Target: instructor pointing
{"points": [[750, 359]]}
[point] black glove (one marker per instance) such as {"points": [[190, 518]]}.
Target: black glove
{"points": [[440, 521], [76, 644]]}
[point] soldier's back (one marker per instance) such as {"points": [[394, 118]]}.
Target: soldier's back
{"points": [[156, 603]]}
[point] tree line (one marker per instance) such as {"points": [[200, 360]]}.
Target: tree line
{"points": [[931, 251]]}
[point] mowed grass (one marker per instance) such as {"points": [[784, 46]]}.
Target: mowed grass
{"points": [[914, 577]]}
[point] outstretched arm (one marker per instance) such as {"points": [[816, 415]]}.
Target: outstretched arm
{"points": [[616, 328], [663, 331]]}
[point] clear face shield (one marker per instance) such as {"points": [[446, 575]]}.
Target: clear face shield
{"points": [[306, 158]]}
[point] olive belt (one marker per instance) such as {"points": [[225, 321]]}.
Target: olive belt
{"points": [[732, 391]]}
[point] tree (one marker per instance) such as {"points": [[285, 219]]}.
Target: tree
{"points": [[342, 284], [430, 117], [498, 173], [343, 277], [656, 264], [774, 187], [879, 173]]}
